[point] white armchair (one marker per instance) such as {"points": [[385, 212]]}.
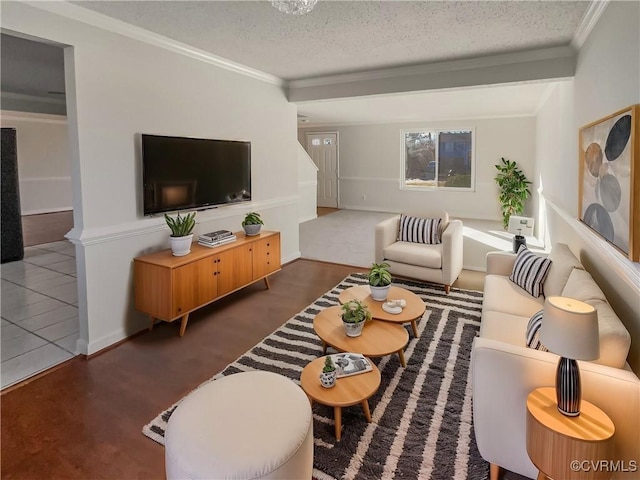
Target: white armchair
{"points": [[441, 263]]}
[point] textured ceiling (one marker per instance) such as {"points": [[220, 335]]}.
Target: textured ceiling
{"points": [[341, 37]]}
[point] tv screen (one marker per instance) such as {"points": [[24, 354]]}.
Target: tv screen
{"points": [[193, 173]]}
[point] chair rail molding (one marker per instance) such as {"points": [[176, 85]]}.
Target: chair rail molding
{"points": [[626, 269], [98, 235]]}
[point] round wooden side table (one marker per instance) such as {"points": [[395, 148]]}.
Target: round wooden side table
{"points": [[567, 448], [348, 391]]}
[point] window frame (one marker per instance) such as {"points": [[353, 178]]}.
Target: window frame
{"points": [[438, 131]]}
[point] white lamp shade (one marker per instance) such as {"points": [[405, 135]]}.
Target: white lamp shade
{"points": [[570, 328]]}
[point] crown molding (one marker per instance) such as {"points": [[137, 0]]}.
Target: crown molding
{"points": [[104, 22], [359, 123], [438, 67], [589, 20]]}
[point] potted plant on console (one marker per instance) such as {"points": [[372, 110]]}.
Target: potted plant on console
{"points": [[379, 281], [181, 232], [354, 316], [328, 374], [252, 224]]}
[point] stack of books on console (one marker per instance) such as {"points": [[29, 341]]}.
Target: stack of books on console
{"points": [[219, 237]]}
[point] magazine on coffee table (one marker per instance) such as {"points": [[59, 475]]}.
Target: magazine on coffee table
{"points": [[350, 364]]}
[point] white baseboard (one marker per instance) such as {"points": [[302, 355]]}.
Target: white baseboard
{"points": [[475, 269], [291, 257], [46, 210]]}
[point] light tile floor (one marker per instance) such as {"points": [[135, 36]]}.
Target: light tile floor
{"points": [[39, 311]]}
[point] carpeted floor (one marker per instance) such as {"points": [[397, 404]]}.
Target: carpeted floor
{"points": [[421, 415], [345, 237]]}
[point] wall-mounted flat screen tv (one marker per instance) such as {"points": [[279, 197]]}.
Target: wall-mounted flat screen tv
{"points": [[181, 173]]}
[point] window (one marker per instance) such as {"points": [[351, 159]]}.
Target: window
{"points": [[437, 159]]}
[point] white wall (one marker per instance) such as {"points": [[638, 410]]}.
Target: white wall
{"points": [[607, 80], [117, 88], [370, 166], [44, 167], [555, 149], [307, 186]]}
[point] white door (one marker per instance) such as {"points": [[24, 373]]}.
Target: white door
{"points": [[323, 150]]}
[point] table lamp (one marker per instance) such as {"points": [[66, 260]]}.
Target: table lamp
{"points": [[569, 329]]}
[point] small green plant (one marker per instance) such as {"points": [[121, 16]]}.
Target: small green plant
{"points": [[328, 365], [514, 189], [252, 218], [379, 275], [354, 311], [181, 226]]}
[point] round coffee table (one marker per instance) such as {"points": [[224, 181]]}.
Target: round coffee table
{"points": [[411, 313], [378, 339], [348, 391]]}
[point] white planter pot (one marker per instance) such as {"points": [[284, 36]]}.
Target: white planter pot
{"points": [[328, 379], [251, 230], [379, 293], [353, 329], [180, 246]]}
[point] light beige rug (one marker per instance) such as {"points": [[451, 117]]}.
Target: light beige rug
{"points": [[345, 237]]}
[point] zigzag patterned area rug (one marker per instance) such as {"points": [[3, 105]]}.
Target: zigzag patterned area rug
{"points": [[421, 415]]}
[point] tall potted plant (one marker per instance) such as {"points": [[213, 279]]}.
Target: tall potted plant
{"points": [[379, 281], [252, 224], [181, 232], [354, 315], [514, 189]]}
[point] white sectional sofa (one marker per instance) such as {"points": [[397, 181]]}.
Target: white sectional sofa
{"points": [[505, 370], [440, 263]]}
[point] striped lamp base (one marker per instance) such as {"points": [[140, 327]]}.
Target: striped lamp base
{"points": [[568, 387]]}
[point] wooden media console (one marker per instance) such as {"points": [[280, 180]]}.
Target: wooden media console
{"points": [[169, 288]]}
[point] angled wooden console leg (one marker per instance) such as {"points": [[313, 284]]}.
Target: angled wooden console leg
{"points": [[183, 324], [494, 471], [153, 322], [266, 282]]}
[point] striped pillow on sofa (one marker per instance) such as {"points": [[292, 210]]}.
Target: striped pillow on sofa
{"points": [[419, 230], [533, 332], [529, 271]]}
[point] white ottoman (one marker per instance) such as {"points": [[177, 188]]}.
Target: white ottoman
{"points": [[245, 426]]}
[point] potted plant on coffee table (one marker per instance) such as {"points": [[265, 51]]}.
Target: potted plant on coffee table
{"points": [[354, 315], [252, 224], [328, 374], [379, 281], [181, 232]]}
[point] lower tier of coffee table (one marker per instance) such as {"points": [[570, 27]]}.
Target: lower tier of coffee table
{"points": [[378, 338], [348, 391]]}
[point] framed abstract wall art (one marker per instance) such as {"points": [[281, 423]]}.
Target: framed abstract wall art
{"points": [[609, 184]]}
